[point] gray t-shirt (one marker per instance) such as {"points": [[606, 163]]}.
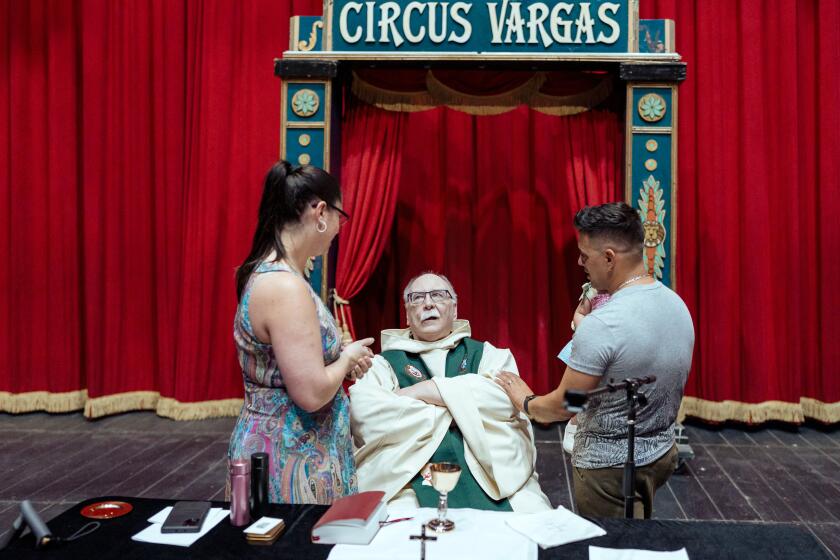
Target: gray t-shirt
{"points": [[642, 330]]}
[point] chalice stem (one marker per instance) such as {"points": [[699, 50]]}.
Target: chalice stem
{"points": [[442, 506]]}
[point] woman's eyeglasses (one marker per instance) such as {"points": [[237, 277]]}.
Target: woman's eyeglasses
{"points": [[343, 217]]}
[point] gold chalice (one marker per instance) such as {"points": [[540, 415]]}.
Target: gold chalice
{"points": [[444, 478]]}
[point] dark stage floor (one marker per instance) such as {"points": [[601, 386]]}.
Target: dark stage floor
{"points": [[776, 474]]}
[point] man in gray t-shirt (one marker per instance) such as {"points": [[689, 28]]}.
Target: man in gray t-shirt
{"points": [[644, 329]]}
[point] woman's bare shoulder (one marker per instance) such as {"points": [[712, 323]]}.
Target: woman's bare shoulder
{"points": [[278, 288]]}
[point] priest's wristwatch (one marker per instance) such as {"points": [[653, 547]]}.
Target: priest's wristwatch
{"points": [[525, 404]]}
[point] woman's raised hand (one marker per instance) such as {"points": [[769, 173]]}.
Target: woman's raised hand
{"points": [[359, 356]]}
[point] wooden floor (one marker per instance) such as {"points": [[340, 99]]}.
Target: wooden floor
{"points": [[776, 474]]}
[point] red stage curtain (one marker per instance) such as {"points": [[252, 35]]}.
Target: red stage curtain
{"points": [[132, 158], [759, 195], [370, 171], [41, 273], [489, 202]]}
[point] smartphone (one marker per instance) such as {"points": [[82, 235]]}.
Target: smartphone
{"points": [[186, 517]]}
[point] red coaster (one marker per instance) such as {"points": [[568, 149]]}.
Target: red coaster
{"points": [[106, 510]]}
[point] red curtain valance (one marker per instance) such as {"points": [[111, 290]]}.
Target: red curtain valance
{"points": [[481, 92]]}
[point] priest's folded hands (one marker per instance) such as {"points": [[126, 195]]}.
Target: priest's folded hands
{"points": [[430, 397]]}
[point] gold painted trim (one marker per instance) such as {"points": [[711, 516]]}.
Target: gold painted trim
{"points": [[313, 37], [674, 183], [284, 103], [324, 273], [327, 122], [670, 35], [294, 32], [484, 57], [628, 143], [305, 124], [653, 129], [326, 40], [328, 94], [633, 26]]}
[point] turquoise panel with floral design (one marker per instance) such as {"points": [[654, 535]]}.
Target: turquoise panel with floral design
{"points": [[305, 101], [651, 106]]}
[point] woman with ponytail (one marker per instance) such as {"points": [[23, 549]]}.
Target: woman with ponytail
{"points": [[290, 347]]}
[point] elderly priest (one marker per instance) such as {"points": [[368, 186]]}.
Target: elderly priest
{"points": [[430, 397]]}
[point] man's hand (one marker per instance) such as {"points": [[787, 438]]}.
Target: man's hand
{"points": [[425, 391], [515, 388]]}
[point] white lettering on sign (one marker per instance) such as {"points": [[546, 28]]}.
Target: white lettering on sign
{"points": [[537, 14], [342, 22], [459, 16], [421, 32], [433, 16], [389, 11], [561, 29], [602, 15], [511, 22], [585, 24]]}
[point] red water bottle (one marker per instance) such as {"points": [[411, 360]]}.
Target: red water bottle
{"points": [[240, 483]]}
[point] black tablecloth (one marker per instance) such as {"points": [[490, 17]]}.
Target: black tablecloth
{"points": [[702, 539]]}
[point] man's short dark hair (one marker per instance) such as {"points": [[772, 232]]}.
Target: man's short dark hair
{"points": [[613, 221]]}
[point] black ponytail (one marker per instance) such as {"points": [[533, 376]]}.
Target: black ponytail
{"points": [[286, 192]]}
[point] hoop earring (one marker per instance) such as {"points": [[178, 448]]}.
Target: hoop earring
{"points": [[318, 228]]}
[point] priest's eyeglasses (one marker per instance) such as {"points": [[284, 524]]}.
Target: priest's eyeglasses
{"points": [[437, 296]]}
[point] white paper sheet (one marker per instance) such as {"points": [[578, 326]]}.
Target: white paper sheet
{"points": [[599, 553], [152, 534], [555, 527], [482, 535]]}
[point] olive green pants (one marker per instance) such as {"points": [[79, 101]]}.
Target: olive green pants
{"points": [[598, 492]]}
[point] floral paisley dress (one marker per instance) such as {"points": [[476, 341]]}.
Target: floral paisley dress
{"points": [[310, 454]]}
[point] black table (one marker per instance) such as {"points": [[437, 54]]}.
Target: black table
{"points": [[702, 539]]}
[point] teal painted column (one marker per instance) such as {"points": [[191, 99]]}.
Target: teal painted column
{"points": [[651, 175], [305, 123]]}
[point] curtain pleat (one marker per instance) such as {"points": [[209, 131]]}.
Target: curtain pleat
{"points": [[370, 176]]}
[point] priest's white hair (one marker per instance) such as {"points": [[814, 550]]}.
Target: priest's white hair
{"points": [[407, 289]]}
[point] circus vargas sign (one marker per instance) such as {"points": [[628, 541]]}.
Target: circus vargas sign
{"points": [[498, 26]]}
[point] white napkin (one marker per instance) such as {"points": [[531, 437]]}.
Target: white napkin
{"points": [[598, 553], [479, 535], [152, 534], [555, 527]]}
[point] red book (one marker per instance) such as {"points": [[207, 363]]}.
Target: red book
{"points": [[351, 520]]}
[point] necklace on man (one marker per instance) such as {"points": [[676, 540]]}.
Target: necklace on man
{"points": [[639, 277]]}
